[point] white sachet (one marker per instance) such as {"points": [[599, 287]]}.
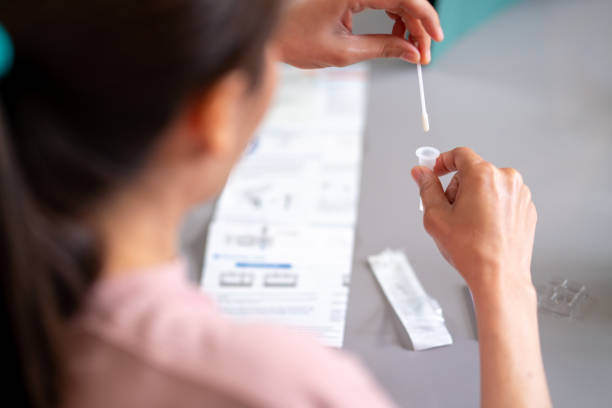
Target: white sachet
{"points": [[420, 315]]}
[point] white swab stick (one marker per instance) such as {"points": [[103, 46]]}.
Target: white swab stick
{"points": [[424, 116]]}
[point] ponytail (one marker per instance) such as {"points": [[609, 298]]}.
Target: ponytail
{"points": [[11, 283], [46, 266]]}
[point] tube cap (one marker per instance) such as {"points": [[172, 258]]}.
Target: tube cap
{"points": [[427, 156]]}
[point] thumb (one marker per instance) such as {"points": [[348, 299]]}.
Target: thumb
{"points": [[370, 46], [430, 187]]}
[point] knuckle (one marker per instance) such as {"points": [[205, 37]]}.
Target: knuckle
{"points": [[527, 193], [389, 51], [426, 186], [514, 176], [462, 150], [489, 168], [485, 171]]}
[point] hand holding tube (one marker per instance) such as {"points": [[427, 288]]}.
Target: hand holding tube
{"points": [[484, 225]]}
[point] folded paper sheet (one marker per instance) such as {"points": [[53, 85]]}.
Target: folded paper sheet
{"points": [[280, 246], [420, 315]]}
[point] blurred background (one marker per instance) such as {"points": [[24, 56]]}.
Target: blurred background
{"points": [[526, 84]]}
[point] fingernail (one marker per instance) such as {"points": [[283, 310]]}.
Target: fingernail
{"points": [[411, 57]]}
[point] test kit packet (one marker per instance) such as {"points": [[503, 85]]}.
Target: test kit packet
{"points": [[420, 315]]}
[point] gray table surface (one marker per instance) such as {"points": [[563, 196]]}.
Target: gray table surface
{"points": [[530, 89]]}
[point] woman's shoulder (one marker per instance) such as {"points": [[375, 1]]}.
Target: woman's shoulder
{"points": [[145, 304], [172, 327]]}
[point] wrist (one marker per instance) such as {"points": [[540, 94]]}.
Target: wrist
{"points": [[503, 286]]}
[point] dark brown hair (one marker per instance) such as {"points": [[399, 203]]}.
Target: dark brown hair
{"points": [[92, 87]]}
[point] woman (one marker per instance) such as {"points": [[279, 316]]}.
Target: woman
{"points": [[120, 116]]}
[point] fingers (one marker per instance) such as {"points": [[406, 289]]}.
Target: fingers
{"points": [[435, 204], [419, 9], [347, 20], [399, 29], [526, 194], [430, 187], [392, 16], [420, 38], [363, 47], [452, 189], [418, 35], [458, 159]]}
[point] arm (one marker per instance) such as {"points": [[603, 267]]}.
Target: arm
{"points": [[484, 225], [319, 33], [511, 368]]}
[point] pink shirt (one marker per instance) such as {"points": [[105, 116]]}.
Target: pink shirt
{"points": [[151, 340]]}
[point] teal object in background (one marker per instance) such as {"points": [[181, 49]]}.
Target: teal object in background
{"points": [[7, 53], [458, 17]]}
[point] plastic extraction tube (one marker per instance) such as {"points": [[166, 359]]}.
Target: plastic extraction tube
{"points": [[427, 157]]}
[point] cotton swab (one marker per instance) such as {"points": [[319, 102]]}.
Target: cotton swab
{"points": [[424, 116]]}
